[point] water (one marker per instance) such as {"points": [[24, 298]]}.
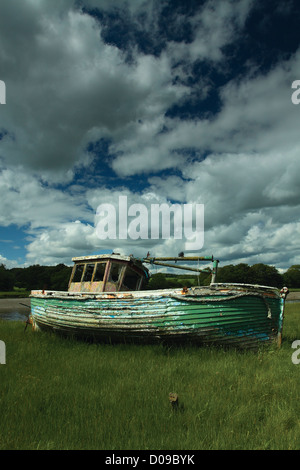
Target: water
{"points": [[14, 309], [13, 316]]}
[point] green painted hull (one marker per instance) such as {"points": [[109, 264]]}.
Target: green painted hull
{"points": [[239, 315]]}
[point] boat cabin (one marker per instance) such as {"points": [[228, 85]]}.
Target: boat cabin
{"points": [[107, 273]]}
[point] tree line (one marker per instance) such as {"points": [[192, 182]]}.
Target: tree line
{"points": [[260, 273], [35, 277], [57, 277]]}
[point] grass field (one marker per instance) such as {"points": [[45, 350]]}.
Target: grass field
{"points": [[58, 393], [14, 294]]}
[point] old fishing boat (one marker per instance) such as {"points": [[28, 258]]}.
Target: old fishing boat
{"points": [[107, 299]]}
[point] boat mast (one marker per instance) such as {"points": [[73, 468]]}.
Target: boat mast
{"points": [[161, 262], [214, 271]]}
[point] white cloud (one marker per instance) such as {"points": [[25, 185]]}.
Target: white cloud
{"points": [[251, 205], [72, 87], [216, 25], [8, 263], [58, 245], [257, 116], [25, 201], [66, 88]]}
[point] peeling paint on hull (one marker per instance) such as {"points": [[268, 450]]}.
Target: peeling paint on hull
{"points": [[226, 314]]}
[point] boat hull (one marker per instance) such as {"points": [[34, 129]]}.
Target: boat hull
{"points": [[236, 315]]}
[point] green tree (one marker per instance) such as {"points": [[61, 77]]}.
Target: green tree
{"points": [[234, 273], [158, 281], [291, 277], [59, 277], [257, 274], [6, 279], [265, 275]]}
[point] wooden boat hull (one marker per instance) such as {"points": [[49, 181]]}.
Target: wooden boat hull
{"points": [[226, 314]]}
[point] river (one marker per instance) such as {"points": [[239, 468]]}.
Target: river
{"points": [[14, 309]]}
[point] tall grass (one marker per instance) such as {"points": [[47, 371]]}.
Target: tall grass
{"points": [[58, 393]]}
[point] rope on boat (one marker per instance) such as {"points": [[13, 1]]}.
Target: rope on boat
{"points": [[204, 297]]}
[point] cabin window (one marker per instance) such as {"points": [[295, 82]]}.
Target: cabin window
{"points": [[131, 278], [115, 271], [89, 269], [100, 270], [78, 273]]}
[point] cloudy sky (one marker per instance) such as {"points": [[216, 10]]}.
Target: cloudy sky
{"points": [[162, 101]]}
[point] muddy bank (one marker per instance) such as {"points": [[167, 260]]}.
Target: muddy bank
{"points": [[15, 305], [293, 296]]}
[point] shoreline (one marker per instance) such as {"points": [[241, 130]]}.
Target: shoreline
{"points": [[293, 296], [12, 305]]}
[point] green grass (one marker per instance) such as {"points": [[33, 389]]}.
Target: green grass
{"points": [[16, 293], [58, 393]]}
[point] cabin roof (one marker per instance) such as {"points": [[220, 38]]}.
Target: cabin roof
{"points": [[103, 257]]}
